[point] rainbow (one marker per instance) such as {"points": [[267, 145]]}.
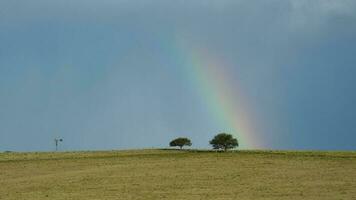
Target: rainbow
{"points": [[223, 99]]}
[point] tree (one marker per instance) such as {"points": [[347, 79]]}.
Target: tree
{"points": [[180, 142], [224, 141]]}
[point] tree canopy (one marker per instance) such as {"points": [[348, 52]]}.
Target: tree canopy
{"points": [[180, 142], [224, 141]]}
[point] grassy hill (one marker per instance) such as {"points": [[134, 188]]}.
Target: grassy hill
{"points": [[170, 174]]}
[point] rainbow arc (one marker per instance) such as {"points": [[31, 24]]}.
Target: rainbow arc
{"points": [[222, 94]]}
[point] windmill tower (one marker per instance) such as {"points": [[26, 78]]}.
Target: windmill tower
{"points": [[57, 141]]}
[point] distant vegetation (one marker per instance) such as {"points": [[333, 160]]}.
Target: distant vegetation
{"points": [[180, 142], [224, 141]]}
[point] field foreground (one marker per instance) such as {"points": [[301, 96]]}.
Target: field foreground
{"points": [[170, 174]]}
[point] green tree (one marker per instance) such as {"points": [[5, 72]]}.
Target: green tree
{"points": [[224, 141], [180, 142]]}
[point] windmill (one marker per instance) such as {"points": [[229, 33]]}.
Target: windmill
{"points": [[56, 141]]}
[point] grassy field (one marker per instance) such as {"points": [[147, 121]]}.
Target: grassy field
{"points": [[170, 174]]}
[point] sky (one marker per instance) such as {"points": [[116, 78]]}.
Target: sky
{"points": [[277, 74]]}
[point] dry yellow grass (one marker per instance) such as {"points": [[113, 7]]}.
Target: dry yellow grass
{"points": [[168, 174]]}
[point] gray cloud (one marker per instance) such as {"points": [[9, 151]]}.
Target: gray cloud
{"points": [[104, 66]]}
